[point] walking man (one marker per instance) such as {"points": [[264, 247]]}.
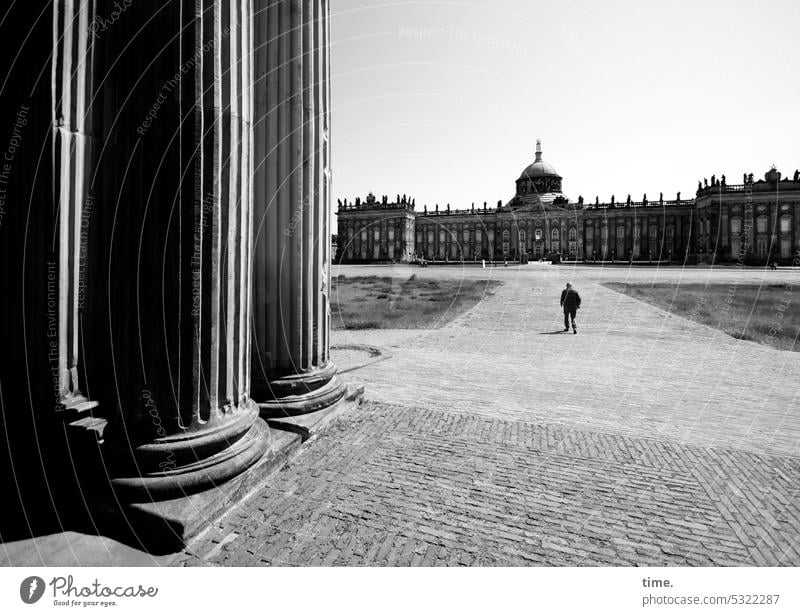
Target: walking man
{"points": [[570, 302]]}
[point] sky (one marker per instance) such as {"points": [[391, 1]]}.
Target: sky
{"points": [[444, 101]]}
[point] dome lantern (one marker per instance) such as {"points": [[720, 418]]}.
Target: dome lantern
{"points": [[539, 168]]}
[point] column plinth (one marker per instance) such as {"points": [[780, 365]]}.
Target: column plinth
{"points": [[297, 394]]}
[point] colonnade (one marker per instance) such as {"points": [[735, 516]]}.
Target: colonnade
{"points": [[172, 267]]}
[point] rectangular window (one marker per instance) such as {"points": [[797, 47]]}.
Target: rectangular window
{"points": [[786, 225], [761, 224], [736, 225]]}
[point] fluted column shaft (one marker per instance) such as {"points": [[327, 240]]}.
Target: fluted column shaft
{"points": [[180, 247], [73, 145], [292, 371]]}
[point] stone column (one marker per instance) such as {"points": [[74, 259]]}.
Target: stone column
{"points": [[72, 71], [46, 75], [180, 248], [292, 370]]}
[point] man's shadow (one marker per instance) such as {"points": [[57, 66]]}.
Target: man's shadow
{"points": [[560, 331]]}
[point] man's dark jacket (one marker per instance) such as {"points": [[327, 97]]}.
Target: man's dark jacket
{"points": [[570, 299]]}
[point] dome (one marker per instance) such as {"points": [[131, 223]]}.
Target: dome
{"points": [[539, 168]]}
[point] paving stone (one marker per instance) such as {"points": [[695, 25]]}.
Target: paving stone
{"points": [[645, 440]]}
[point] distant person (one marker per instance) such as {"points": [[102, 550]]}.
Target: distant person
{"points": [[570, 302]]}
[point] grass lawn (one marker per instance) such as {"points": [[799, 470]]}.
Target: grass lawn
{"points": [[370, 302], [767, 314]]}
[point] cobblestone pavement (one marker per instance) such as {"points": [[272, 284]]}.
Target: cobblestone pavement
{"points": [[647, 439]]}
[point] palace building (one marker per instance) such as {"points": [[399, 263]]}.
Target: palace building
{"points": [[752, 222]]}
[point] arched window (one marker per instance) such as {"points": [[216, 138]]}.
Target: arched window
{"points": [[653, 233], [573, 234], [555, 235], [538, 234], [505, 235], [522, 238]]}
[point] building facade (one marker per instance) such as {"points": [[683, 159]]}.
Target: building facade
{"points": [[753, 222]]}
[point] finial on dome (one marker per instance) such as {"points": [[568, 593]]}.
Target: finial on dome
{"points": [[538, 150]]}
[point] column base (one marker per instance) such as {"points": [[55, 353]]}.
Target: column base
{"points": [[298, 394], [187, 463], [166, 526]]}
